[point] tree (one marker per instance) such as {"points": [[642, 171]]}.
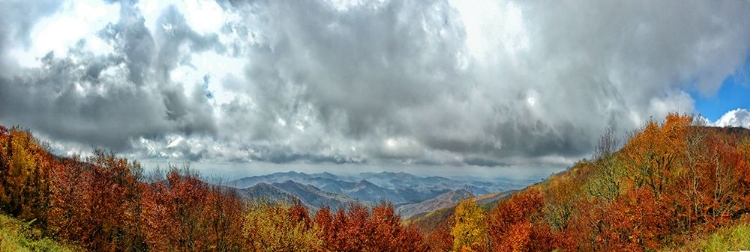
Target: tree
{"points": [[116, 202], [655, 153], [440, 238], [24, 167], [224, 212], [277, 227], [70, 204], [360, 229], [516, 222], [388, 234], [174, 213], [606, 179], [324, 221], [469, 229], [727, 169], [97, 203]]}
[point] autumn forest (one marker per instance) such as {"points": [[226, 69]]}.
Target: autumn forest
{"points": [[665, 185]]}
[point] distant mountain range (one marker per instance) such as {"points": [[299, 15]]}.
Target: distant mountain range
{"points": [[444, 200], [409, 193]]}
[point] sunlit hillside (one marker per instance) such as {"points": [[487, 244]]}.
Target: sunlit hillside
{"points": [[670, 183]]}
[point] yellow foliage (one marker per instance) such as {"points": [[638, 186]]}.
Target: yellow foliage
{"points": [[23, 182], [469, 229], [268, 227]]}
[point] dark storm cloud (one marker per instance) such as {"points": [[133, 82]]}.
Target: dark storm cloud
{"points": [[111, 100], [375, 72], [394, 70], [357, 68], [285, 156]]}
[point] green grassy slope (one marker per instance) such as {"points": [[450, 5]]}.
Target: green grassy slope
{"points": [[16, 235], [731, 238]]}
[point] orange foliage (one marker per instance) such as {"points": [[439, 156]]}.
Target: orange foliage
{"points": [[517, 225], [669, 181], [655, 153], [186, 213], [359, 230]]}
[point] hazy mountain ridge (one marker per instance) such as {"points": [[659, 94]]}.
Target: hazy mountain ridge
{"points": [[400, 188], [315, 197], [445, 200], [265, 191], [310, 196]]}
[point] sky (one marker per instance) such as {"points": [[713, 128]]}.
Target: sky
{"points": [[432, 87]]}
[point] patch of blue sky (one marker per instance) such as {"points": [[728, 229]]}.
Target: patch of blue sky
{"points": [[733, 94]]}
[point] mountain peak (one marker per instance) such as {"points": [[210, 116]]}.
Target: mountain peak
{"points": [[460, 194], [364, 182]]}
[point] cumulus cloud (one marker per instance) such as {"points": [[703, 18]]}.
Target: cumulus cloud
{"points": [[108, 100], [437, 82], [735, 118]]}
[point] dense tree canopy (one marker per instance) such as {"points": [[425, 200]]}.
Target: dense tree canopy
{"points": [[669, 182]]}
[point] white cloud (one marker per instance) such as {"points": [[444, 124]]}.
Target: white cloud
{"points": [[735, 118], [75, 20], [491, 26]]}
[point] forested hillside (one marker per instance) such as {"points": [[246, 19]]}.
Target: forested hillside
{"points": [[105, 203], [671, 184]]}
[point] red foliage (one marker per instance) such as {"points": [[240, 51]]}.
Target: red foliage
{"points": [[299, 214], [515, 224], [440, 239], [358, 230], [634, 223]]}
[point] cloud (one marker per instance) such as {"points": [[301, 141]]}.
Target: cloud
{"points": [[381, 71], [735, 118], [16, 20], [437, 82], [109, 100]]}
